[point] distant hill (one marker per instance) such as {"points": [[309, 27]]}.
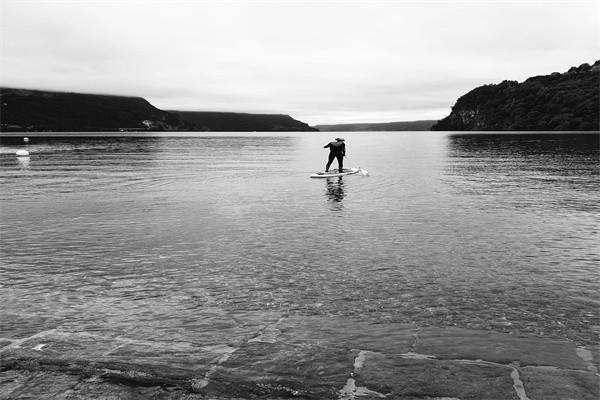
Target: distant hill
{"points": [[385, 126], [555, 102], [36, 110], [240, 122], [24, 110]]}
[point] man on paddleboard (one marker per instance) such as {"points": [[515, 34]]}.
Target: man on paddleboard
{"points": [[337, 150]]}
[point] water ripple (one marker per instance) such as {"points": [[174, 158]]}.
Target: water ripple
{"points": [[164, 238]]}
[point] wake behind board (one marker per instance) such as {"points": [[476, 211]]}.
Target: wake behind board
{"points": [[335, 173]]}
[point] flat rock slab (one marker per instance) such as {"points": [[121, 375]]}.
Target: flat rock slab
{"points": [[347, 333], [456, 344], [594, 356], [396, 377], [556, 384], [259, 369], [35, 385], [26, 385]]}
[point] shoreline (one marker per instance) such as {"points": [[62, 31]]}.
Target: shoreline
{"points": [[303, 357]]}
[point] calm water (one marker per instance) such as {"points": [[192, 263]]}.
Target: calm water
{"points": [[157, 237]]}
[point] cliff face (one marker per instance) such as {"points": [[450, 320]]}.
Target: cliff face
{"points": [[42, 111], [35, 110], [555, 102], [240, 122]]}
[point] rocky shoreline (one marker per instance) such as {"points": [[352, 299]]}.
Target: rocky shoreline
{"points": [[316, 357]]}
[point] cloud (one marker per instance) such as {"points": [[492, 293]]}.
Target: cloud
{"points": [[323, 61]]}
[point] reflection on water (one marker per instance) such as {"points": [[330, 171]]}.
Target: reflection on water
{"points": [[532, 144], [24, 162], [335, 189], [527, 170]]}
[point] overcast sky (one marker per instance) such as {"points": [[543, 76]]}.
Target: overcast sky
{"points": [[320, 61]]}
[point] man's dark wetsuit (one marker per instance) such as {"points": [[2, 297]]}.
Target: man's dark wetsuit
{"points": [[337, 150]]}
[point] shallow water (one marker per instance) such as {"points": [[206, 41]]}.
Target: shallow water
{"points": [[161, 238]]}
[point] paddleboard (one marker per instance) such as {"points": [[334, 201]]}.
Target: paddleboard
{"points": [[334, 173]]}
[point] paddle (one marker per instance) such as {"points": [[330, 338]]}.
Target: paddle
{"points": [[362, 171]]}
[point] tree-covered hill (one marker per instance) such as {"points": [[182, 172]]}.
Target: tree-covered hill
{"points": [[36, 110], [24, 110], [241, 122], [555, 102]]}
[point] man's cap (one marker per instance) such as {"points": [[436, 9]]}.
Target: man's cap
{"points": [[339, 139]]}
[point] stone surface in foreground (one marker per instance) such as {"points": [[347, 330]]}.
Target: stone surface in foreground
{"points": [[402, 378], [280, 357]]}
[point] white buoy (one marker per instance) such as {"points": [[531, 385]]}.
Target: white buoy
{"points": [[26, 139], [22, 153]]}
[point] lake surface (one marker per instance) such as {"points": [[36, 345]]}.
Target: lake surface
{"points": [[159, 238]]}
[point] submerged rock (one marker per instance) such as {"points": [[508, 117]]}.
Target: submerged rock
{"points": [[300, 357]]}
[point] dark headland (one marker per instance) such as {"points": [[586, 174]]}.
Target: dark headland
{"points": [[557, 102], [241, 122], [24, 110]]}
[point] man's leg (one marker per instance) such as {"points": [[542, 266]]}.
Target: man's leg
{"points": [[331, 158], [340, 160]]}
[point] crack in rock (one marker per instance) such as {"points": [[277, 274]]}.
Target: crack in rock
{"points": [[359, 361], [518, 384], [416, 356], [267, 334], [588, 357], [199, 384], [350, 391], [413, 346]]}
